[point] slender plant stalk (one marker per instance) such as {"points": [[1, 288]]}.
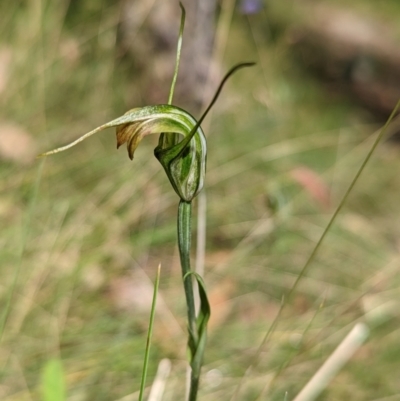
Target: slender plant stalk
{"points": [[194, 386], [184, 244], [149, 335]]}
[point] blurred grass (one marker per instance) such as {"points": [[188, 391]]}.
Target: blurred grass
{"points": [[99, 219]]}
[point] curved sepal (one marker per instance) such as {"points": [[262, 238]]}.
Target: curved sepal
{"points": [[183, 162]]}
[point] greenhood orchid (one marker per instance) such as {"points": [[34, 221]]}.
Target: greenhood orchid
{"points": [[182, 152], [182, 144]]}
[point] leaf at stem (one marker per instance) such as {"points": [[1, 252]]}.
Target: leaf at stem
{"points": [[202, 320]]}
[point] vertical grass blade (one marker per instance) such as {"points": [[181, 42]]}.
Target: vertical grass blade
{"points": [[149, 335], [178, 53]]}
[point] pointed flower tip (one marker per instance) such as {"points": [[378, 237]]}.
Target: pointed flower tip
{"points": [[50, 152]]}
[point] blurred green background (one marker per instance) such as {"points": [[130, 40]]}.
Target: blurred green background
{"points": [[82, 232]]}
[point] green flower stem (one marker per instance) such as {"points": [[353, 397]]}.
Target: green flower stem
{"points": [[194, 386], [184, 242]]}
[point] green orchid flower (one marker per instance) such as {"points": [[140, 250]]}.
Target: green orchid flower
{"points": [[184, 163], [182, 147]]}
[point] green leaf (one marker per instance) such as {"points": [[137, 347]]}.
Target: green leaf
{"points": [[202, 320], [53, 381], [198, 346]]}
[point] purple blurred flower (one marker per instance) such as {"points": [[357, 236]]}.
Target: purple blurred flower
{"points": [[250, 6]]}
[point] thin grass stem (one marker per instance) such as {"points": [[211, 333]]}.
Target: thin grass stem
{"points": [[149, 335], [178, 54]]}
